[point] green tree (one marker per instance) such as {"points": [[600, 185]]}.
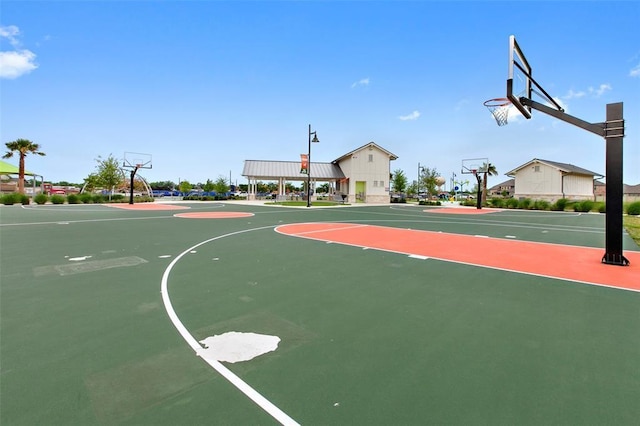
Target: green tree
{"points": [[162, 185], [91, 182], [399, 182], [208, 186], [185, 187], [221, 186], [491, 171], [23, 147], [109, 173], [428, 179]]}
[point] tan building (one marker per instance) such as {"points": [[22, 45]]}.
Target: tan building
{"points": [[550, 180], [362, 175]]}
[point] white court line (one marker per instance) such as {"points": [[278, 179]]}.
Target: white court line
{"points": [[320, 230], [242, 386]]}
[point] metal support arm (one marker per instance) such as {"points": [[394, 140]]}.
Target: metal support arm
{"points": [[597, 128]]}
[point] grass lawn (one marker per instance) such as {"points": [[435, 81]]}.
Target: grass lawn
{"points": [[632, 225]]}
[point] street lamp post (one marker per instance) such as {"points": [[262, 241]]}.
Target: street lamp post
{"points": [[420, 172], [315, 140]]}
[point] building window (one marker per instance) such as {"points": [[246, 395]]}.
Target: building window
{"points": [[375, 183], [536, 169], [371, 158]]}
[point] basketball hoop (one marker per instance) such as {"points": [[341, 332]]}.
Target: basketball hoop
{"points": [[499, 107]]}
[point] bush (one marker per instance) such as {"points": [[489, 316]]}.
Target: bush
{"points": [[602, 208], [86, 198], [41, 199], [524, 204], [559, 205], [541, 205], [10, 199], [583, 206], [496, 202], [97, 198], [512, 203], [57, 199], [25, 200], [73, 199], [634, 208]]}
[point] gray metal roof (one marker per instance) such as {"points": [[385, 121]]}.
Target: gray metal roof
{"points": [[367, 145], [290, 170], [565, 167]]}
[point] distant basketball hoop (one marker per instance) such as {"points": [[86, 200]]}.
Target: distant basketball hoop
{"points": [[499, 107]]}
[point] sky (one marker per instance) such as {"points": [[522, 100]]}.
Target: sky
{"points": [[201, 86]]}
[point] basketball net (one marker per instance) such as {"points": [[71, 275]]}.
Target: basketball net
{"points": [[499, 108]]}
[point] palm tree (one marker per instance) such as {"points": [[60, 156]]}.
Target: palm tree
{"points": [[23, 147], [490, 171]]}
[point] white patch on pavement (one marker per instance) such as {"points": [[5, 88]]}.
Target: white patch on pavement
{"points": [[77, 259], [236, 347]]}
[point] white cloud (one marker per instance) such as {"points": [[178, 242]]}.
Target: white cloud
{"points": [[573, 95], [562, 104], [600, 90], [10, 32], [635, 72], [14, 63], [361, 82], [413, 116]]}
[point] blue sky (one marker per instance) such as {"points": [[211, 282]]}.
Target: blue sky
{"points": [[204, 85]]}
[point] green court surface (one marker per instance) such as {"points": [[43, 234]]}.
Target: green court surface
{"points": [[367, 337]]}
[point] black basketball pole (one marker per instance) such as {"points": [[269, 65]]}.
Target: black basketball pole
{"points": [[479, 191], [613, 132], [133, 174]]}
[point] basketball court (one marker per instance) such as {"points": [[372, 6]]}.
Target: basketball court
{"points": [[248, 314], [231, 313]]}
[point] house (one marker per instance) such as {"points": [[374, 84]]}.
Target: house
{"points": [[367, 172], [631, 193], [362, 175], [506, 189], [550, 180]]}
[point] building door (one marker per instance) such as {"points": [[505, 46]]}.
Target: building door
{"points": [[361, 192]]}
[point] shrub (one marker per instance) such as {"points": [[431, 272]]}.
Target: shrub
{"points": [[559, 205], [25, 200], [86, 198], [512, 203], [73, 199], [583, 206], [541, 205], [496, 202], [97, 198], [524, 204], [41, 199], [634, 208], [10, 199], [57, 199], [602, 208]]}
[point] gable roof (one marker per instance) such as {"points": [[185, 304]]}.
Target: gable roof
{"points": [[631, 189], [367, 145], [290, 170], [506, 183], [563, 167]]}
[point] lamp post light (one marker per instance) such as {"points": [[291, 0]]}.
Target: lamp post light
{"points": [[315, 140], [420, 172]]}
